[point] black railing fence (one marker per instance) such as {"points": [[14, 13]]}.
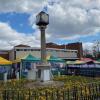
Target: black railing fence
{"points": [[87, 92]]}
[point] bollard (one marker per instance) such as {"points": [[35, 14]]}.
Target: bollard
{"points": [[17, 75], [58, 73], [5, 77]]}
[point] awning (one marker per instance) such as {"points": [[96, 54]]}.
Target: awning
{"points": [[78, 62], [97, 61], [87, 60], [70, 62], [54, 59], [28, 58], [4, 61]]}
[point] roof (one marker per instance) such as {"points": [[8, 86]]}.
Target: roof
{"points": [[28, 58], [79, 62], [51, 43], [98, 60], [22, 45], [31, 58], [87, 60], [4, 61], [70, 62], [54, 59]]}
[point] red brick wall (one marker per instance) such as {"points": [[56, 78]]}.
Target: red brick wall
{"points": [[6, 56], [72, 46]]}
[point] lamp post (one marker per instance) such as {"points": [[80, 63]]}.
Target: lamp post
{"points": [[42, 20]]}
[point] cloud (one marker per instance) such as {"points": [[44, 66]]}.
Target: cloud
{"points": [[20, 5], [69, 19], [10, 37], [88, 46], [72, 19]]}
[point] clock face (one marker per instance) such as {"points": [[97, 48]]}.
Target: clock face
{"points": [[45, 18], [37, 19]]}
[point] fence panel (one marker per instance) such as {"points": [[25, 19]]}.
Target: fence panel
{"points": [[87, 92]]}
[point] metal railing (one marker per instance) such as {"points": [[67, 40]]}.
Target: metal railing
{"points": [[86, 92]]}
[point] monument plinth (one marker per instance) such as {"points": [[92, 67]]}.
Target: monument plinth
{"points": [[43, 72]]}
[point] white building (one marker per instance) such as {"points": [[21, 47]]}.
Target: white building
{"points": [[21, 51]]}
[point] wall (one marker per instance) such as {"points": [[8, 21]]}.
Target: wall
{"points": [[22, 52], [4, 54], [72, 46]]}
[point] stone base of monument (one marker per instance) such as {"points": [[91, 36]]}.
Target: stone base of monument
{"points": [[31, 75], [44, 78], [38, 84], [43, 73]]}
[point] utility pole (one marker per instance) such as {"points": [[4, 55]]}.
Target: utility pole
{"points": [[96, 48]]}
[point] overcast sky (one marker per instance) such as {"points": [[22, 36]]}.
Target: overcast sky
{"points": [[70, 21]]}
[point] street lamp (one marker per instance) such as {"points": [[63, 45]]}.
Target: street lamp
{"points": [[42, 20]]}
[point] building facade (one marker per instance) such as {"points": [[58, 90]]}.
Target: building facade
{"points": [[71, 46], [4, 54], [21, 51]]}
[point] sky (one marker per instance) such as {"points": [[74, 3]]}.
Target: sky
{"points": [[70, 21]]}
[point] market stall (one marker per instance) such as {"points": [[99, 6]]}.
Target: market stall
{"points": [[57, 65], [27, 66], [5, 68]]}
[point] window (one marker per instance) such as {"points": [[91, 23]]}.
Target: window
{"points": [[32, 49], [49, 50], [19, 50], [28, 49], [25, 50], [36, 49], [39, 73]]}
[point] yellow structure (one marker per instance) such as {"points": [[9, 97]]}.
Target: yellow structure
{"points": [[4, 61], [79, 62]]}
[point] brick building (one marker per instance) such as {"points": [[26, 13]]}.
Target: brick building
{"points": [[71, 46], [21, 51], [72, 51], [4, 54]]}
